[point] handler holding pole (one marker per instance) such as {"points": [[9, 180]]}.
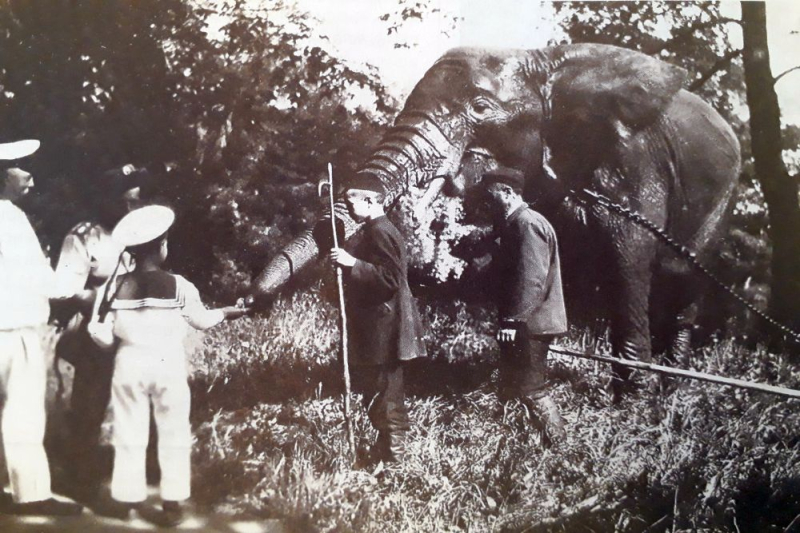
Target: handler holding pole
{"points": [[383, 325]]}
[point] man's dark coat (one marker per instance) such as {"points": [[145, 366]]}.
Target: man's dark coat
{"points": [[529, 274], [383, 321]]}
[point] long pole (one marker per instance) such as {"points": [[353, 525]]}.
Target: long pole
{"points": [[351, 446], [700, 376]]}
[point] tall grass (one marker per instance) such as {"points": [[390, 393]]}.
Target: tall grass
{"points": [[270, 438]]}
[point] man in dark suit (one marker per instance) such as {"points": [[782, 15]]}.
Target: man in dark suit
{"points": [[384, 327], [529, 296]]}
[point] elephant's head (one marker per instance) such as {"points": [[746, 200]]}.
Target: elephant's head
{"points": [[552, 113]]}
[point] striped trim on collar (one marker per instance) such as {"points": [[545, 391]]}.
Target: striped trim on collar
{"points": [[163, 301], [158, 303]]}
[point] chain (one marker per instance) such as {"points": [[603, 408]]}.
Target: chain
{"points": [[682, 250]]}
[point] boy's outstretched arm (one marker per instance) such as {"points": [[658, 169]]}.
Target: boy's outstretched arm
{"points": [[196, 313]]}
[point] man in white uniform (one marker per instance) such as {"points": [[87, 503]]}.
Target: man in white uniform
{"points": [[26, 283]]}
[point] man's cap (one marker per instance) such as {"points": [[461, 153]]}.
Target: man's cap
{"points": [[122, 179], [364, 182], [505, 175], [18, 149], [143, 225]]}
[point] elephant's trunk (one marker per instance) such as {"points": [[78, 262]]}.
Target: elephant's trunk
{"points": [[412, 154]]}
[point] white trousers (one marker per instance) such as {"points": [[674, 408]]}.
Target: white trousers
{"points": [[23, 380], [139, 379]]}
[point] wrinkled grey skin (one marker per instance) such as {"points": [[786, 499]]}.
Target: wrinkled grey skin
{"points": [[570, 117]]}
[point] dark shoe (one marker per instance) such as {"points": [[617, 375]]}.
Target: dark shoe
{"points": [[49, 507], [6, 501], [115, 509], [619, 389], [173, 513], [86, 495], [545, 409]]}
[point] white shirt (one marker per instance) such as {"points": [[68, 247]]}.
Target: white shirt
{"points": [[88, 257], [155, 330], [26, 278]]}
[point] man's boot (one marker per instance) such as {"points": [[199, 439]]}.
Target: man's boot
{"points": [[390, 446], [545, 409]]}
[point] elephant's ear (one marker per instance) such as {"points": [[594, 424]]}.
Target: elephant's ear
{"points": [[614, 84], [597, 95]]}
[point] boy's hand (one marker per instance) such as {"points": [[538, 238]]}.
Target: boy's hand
{"points": [[506, 335], [342, 258], [233, 312]]}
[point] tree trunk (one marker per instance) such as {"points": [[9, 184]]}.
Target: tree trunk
{"points": [[780, 191]]}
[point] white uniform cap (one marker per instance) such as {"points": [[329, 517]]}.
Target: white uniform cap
{"points": [[18, 150], [143, 225]]}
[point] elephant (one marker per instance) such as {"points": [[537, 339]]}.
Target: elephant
{"points": [[571, 117]]}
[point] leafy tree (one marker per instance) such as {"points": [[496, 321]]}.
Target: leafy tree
{"points": [[241, 98], [780, 189], [87, 78]]}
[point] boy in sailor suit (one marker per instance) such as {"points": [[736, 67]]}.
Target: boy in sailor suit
{"points": [[146, 320]]}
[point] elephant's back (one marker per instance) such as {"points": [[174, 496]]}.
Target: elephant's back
{"points": [[705, 161]]}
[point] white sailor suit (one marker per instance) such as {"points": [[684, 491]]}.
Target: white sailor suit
{"points": [[149, 316], [26, 283]]}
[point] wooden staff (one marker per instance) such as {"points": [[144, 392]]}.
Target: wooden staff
{"points": [[700, 376], [351, 447]]}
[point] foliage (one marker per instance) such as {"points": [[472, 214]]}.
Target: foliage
{"points": [[242, 99], [432, 235], [417, 10]]}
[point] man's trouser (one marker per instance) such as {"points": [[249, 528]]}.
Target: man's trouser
{"points": [[139, 379], [91, 393], [384, 396], [23, 380], [523, 366]]}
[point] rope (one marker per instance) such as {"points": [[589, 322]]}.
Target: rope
{"points": [[682, 250]]}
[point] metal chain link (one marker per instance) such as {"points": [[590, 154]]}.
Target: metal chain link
{"points": [[682, 250]]}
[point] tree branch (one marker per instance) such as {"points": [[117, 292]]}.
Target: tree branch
{"points": [[687, 31], [784, 73], [720, 64]]}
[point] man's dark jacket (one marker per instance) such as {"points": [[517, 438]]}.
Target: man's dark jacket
{"points": [[528, 274], [383, 322]]}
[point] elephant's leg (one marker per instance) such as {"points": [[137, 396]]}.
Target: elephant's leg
{"points": [[675, 303], [630, 325]]}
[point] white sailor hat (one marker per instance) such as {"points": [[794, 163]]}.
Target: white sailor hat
{"points": [[18, 150], [143, 225]]}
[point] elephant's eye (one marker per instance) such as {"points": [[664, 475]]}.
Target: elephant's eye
{"points": [[481, 106]]}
